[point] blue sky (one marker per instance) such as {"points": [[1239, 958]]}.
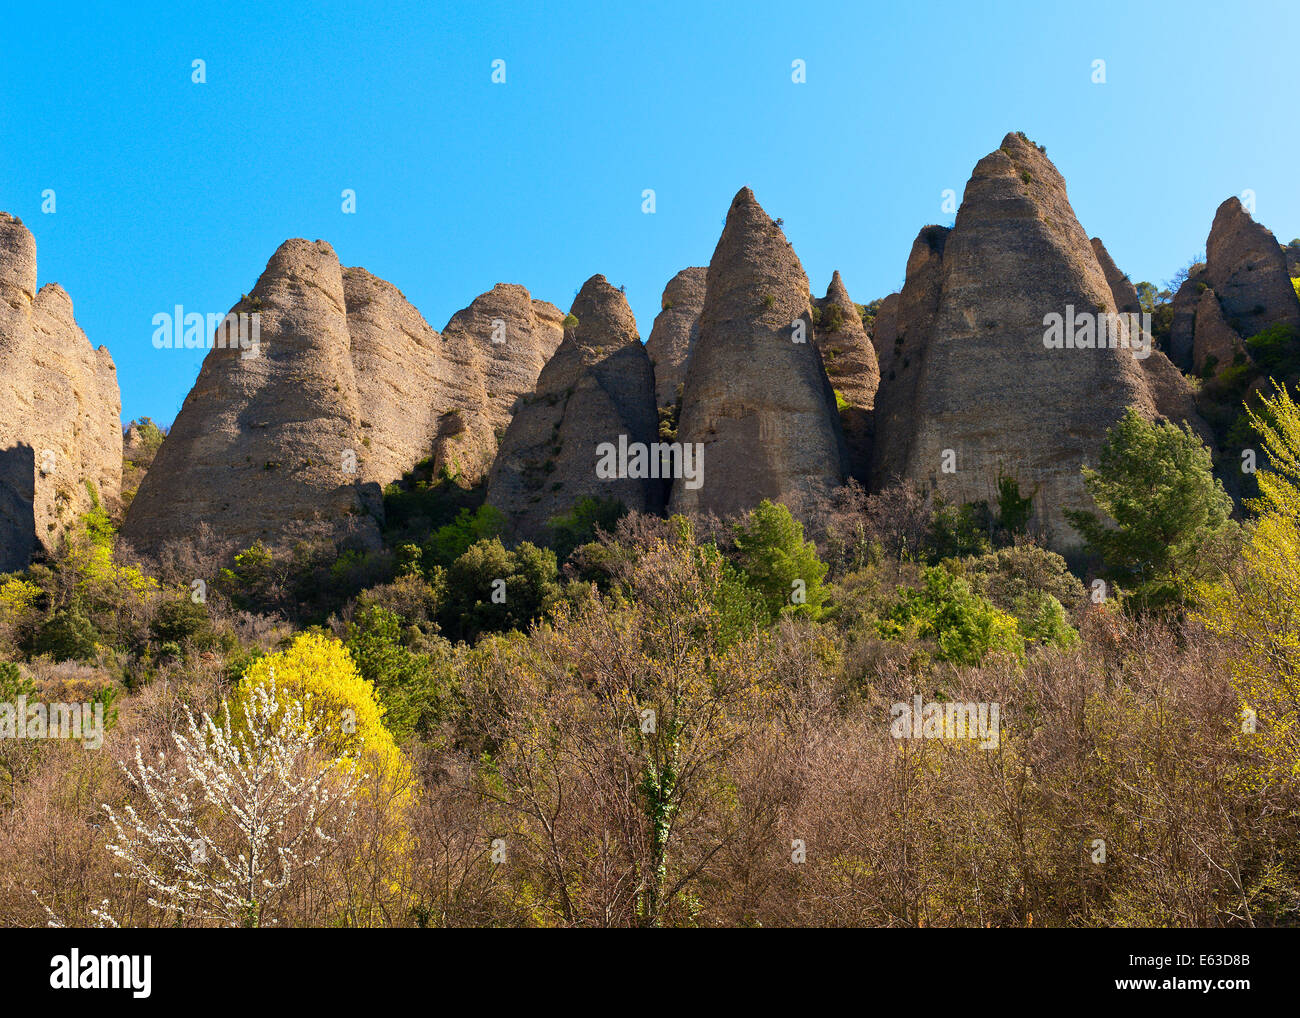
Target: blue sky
{"points": [[170, 192]]}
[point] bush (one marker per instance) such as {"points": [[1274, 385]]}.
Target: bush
{"points": [[963, 626], [69, 635], [411, 686], [588, 517], [318, 671], [771, 553], [492, 589], [1164, 508]]}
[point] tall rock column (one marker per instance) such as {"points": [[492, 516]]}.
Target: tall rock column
{"points": [[61, 430], [853, 370], [676, 328], [270, 439], [756, 396], [992, 398], [595, 395]]}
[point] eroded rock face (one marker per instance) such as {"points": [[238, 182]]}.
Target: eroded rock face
{"points": [[1122, 290], [267, 444], [757, 401], [1174, 397], [493, 352], [854, 372], [347, 390], [598, 388], [990, 397], [675, 330], [885, 329], [61, 428], [1216, 343], [1247, 270], [1182, 331], [903, 345]]}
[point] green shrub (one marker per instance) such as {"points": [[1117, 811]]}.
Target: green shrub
{"points": [[962, 626], [771, 553]]}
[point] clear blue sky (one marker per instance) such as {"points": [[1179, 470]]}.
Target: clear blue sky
{"points": [[170, 192]]}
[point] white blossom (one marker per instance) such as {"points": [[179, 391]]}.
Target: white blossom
{"points": [[237, 813]]}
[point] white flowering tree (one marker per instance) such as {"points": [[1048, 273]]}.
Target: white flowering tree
{"points": [[239, 812]]}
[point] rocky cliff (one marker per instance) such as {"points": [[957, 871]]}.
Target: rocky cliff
{"points": [[974, 392], [596, 394], [61, 428], [674, 333], [493, 352], [274, 437], [756, 396], [348, 389], [853, 370]]}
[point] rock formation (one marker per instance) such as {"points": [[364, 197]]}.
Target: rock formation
{"points": [[885, 329], [271, 438], [1215, 343], [1174, 397], [902, 347], [598, 388], [675, 330], [974, 392], [756, 396], [853, 370], [493, 352], [1246, 268], [348, 389], [61, 429], [1123, 292], [1246, 273]]}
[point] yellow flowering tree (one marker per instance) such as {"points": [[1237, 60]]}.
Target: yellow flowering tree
{"points": [[319, 671]]}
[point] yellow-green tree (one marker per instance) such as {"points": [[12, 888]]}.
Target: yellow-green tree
{"points": [[1258, 604]]}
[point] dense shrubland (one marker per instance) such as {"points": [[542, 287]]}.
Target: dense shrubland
{"points": [[685, 721]]}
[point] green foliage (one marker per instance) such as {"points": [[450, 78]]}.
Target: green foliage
{"points": [[411, 686], [581, 524], [492, 589], [778, 563], [960, 530], [963, 626], [450, 542], [1041, 619], [13, 683], [1023, 573], [1014, 512], [181, 619], [1162, 507], [1147, 296], [69, 635], [150, 439], [1276, 349]]}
